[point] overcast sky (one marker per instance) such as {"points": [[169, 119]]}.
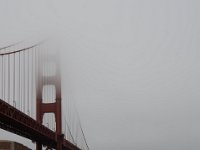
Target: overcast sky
{"points": [[131, 66]]}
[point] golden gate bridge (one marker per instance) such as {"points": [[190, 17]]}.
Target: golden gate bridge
{"points": [[31, 99]]}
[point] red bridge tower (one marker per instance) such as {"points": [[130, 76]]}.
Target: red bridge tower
{"points": [[53, 107]]}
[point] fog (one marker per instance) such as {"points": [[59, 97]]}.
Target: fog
{"points": [[131, 67]]}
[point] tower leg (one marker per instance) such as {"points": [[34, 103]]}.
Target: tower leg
{"points": [[59, 146], [60, 138], [38, 146]]}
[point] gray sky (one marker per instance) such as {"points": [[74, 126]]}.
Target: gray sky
{"points": [[131, 66]]}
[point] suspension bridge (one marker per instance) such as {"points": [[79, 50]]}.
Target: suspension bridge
{"points": [[31, 105]]}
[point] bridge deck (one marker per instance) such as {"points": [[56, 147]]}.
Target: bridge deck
{"points": [[15, 121]]}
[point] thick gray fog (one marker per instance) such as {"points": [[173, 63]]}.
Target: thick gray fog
{"points": [[131, 66]]}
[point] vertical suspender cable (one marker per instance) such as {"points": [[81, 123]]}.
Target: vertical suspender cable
{"points": [[4, 80], [19, 88], [2, 77], [14, 79], [76, 132], [24, 88], [31, 83], [8, 79], [36, 75], [28, 112]]}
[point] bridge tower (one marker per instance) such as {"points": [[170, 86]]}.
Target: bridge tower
{"points": [[46, 59]]}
